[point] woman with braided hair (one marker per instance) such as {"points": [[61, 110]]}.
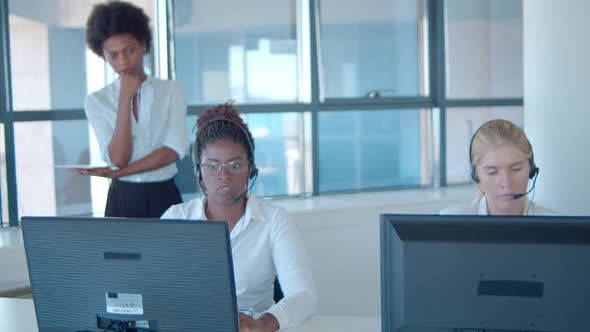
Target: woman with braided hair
{"points": [[264, 242]]}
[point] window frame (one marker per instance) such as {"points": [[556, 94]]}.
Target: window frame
{"points": [[436, 101]]}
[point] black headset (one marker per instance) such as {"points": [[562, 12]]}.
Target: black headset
{"points": [[534, 169], [252, 163]]}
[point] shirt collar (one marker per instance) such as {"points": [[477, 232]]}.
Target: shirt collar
{"points": [[146, 94], [482, 209], [253, 210]]}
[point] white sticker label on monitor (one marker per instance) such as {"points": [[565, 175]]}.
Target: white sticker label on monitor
{"points": [[124, 304]]}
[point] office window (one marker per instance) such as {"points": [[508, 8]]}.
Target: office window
{"points": [[373, 149], [3, 181], [484, 48], [259, 52], [46, 190], [373, 46], [282, 153], [51, 66], [461, 124], [232, 49]]}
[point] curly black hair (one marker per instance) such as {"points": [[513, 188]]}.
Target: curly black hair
{"points": [[114, 18], [211, 127]]}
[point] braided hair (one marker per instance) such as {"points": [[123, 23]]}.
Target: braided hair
{"points": [[211, 127]]}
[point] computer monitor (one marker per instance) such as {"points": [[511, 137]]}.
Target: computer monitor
{"points": [[145, 274], [484, 273]]}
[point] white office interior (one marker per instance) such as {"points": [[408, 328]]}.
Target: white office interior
{"points": [[341, 230]]}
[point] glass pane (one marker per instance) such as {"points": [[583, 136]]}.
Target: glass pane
{"points": [[282, 141], [374, 149], [44, 189], [282, 153], [377, 46], [51, 67], [3, 181], [484, 48], [461, 124], [241, 50]]}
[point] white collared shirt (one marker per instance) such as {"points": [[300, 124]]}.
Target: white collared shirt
{"points": [[162, 122], [479, 206], [265, 244]]}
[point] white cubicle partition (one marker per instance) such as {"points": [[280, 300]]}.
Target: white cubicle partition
{"points": [[341, 233], [19, 315]]}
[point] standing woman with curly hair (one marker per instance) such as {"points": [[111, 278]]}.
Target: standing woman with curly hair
{"points": [[139, 121]]}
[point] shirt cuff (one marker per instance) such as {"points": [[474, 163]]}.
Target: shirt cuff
{"points": [[104, 153], [180, 151], [279, 314]]}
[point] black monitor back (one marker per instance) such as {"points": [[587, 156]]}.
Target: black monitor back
{"points": [[171, 275], [474, 273]]}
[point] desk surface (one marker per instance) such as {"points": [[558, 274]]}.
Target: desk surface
{"points": [[338, 323], [19, 315]]}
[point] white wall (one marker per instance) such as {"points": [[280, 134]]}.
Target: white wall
{"points": [[556, 90], [341, 234]]}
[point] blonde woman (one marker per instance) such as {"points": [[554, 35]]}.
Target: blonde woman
{"points": [[502, 164]]}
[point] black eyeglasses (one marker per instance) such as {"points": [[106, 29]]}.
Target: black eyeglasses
{"points": [[214, 168]]}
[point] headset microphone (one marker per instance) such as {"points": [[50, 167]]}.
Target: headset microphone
{"points": [[517, 196], [248, 188], [237, 199]]}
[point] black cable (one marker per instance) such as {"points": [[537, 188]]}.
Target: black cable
{"points": [[530, 202]]}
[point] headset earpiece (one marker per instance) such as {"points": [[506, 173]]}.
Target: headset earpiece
{"points": [[474, 174], [534, 169], [471, 166], [197, 170], [253, 171], [201, 183]]}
